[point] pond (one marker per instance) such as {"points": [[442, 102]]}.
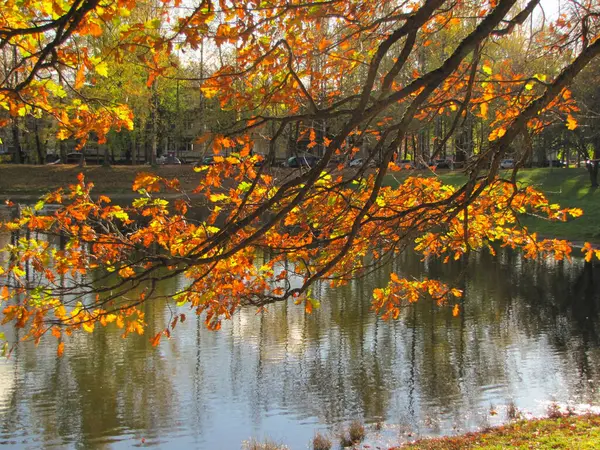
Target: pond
{"points": [[528, 335]]}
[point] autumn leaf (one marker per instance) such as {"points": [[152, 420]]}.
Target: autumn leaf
{"points": [[156, 339], [571, 122], [102, 69]]}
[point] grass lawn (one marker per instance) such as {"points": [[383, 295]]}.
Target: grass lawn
{"points": [[577, 432], [567, 187]]}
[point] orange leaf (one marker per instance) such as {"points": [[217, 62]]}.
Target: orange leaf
{"points": [[80, 78], [60, 349], [455, 310], [156, 339]]}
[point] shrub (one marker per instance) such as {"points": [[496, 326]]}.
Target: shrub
{"points": [[357, 431], [321, 442], [512, 412], [553, 411]]}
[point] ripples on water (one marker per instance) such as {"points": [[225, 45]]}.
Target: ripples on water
{"points": [[527, 333]]}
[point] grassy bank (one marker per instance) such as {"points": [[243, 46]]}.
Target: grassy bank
{"points": [[577, 432], [568, 187]]}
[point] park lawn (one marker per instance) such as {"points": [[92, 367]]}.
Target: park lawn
{"points": [[567, 187], [576, 432]]}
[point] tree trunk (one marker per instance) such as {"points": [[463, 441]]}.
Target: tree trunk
{"points": [[592, 166], [106, 161], [134, 150], [38, 144], [154, 141], [16, 141], [593, 171]]}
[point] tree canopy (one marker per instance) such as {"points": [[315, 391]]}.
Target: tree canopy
{"points": [[341, 77]]}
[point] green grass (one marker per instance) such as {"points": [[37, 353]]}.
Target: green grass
{"points": [[582, 432], [567, 187]]}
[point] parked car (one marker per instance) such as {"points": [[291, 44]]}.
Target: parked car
{"points": [[406, 164], [442, 164], [302, 161], [206, 161], [168, 160], [507, 164], [356, 162], [74, 158], [556, 163]]}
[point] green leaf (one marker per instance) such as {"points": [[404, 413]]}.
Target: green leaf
{"points": [[244, 186], [139, 202]]}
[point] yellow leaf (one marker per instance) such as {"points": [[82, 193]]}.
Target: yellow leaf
{"points": [[102, 69], [455, 310], [209, 91], [126, 272], [88, 326], [487, 69], [484, 110], [571, 122]]}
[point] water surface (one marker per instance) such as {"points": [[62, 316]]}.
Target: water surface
{"points": [[528, 333]]}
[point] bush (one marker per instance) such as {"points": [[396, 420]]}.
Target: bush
{"points": [[321, 442], [357, 431], [354, 434]]}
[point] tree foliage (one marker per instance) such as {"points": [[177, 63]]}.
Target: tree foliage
{"points": [[345, 75]]}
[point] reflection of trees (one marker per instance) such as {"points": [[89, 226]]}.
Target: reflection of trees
{"points": [[103, 386], [338, 363]]}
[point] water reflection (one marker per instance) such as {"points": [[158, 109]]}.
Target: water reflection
{"points": [[527, 332]]}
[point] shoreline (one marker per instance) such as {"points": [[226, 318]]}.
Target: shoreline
{"points": [[567, 187], [562, 430]]}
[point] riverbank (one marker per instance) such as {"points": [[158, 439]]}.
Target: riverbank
{"points": [[567, 187], [17, 181], [575, 432]]}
